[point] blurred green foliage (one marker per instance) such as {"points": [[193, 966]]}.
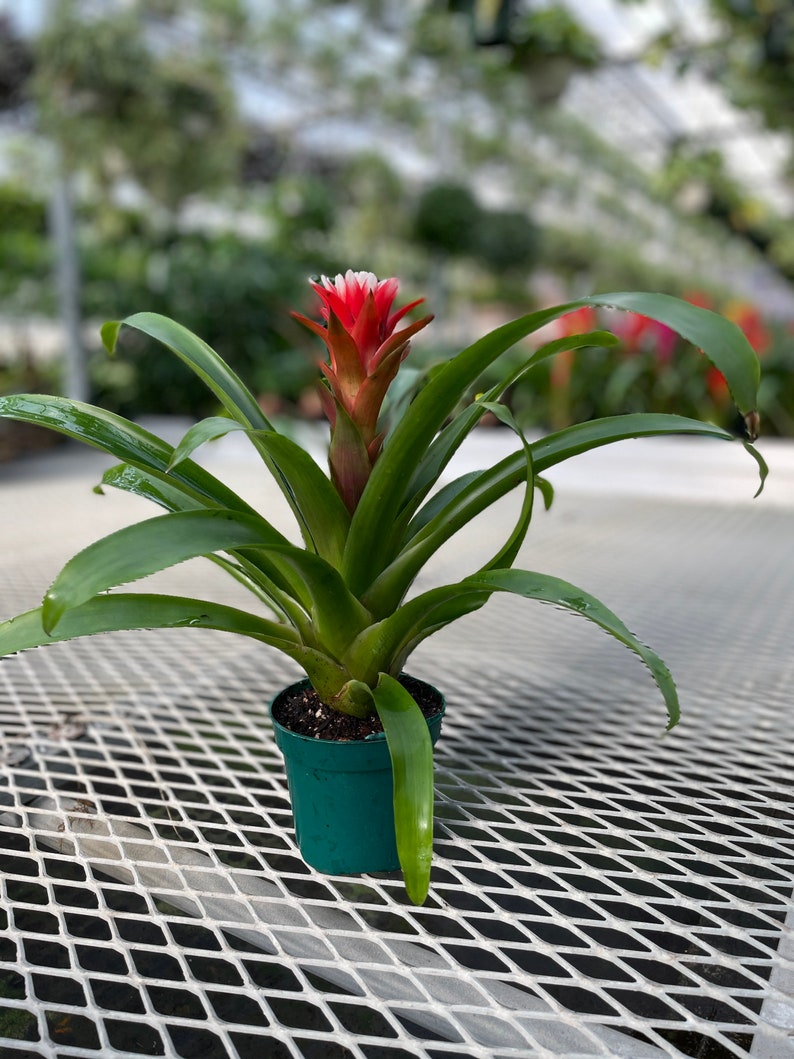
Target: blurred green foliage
{"points": [[25, 253], [507, 241], [756, 56], [750, 53], [235, 293], [231, 222], [16, 65], [450, 222], [447, 216]]}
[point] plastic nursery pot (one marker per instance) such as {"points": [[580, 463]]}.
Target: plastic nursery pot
{"points": [[342, 795]]}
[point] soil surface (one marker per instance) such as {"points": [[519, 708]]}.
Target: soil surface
{"points": [[306, 714]]}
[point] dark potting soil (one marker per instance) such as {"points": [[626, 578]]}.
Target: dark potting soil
{"points": [[306, 714]]}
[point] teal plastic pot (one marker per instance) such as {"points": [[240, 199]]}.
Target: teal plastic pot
{"points": [[342, 796]]}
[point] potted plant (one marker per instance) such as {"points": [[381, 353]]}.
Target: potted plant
{"points": [[549, 46], [339, 604]]}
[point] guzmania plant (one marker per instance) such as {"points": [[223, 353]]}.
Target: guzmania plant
{"points": [[339, 603]]}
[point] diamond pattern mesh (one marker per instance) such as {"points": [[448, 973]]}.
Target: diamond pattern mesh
{"points": [[598, 890]]}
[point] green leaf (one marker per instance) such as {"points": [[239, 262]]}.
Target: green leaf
{"points": [[562, 594], [247, 570], [337, 616], [235, 397], [353, 698], [444, 447], [437, 457], [391, 641], [546, 491], [209, 429], [142, 611], [508, 552], [144, 453], [385, 645], [141, 483], [599, 339], [149, 546], [724, 344], [322, 514], [461, 499], [232, 393], [583, 437], [386, 592], [370, 541], [121, 439], [411, 751], [763, 469], [478, 493]]}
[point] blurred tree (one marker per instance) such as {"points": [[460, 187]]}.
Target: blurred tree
{"points": [[303, 209], [548, 46], [449, 222], [698, 180], [507, 241], [353, 82], [447, 216], [164, 117]]}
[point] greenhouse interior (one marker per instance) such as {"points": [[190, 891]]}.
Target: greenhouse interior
{"points": [[311, 307]]}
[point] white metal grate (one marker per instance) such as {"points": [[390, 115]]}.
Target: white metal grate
{"points": [[597, 890]]}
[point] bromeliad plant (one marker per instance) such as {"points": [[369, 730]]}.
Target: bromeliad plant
{"points": [[340, 603]]}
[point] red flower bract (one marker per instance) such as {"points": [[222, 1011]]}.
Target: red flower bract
{"points": [[365, 352], [363, 304]]}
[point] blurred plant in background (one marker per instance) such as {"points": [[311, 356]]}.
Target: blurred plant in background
{"points": [[234, 291], [203, 192], [651, 367]]}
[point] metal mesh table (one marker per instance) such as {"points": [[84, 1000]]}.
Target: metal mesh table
{"points": [[598, 890]]}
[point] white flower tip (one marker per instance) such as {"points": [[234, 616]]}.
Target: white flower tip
{"points": [[340, 283]]}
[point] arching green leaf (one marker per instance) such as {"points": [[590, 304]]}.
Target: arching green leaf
{"points": [[121, 439], [337, 616], [371, 541], [464, 497], [411, 752], [444, 447], [232, 393], [724, 344], [210, 429], [387, 591], [152, 487], [147, 547], [235, 397], [138, 610], [396, 636], [562, 594]]}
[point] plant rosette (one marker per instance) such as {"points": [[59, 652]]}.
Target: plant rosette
{"points": [[340, 602]]}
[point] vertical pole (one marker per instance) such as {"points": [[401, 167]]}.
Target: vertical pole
{"points": [[74, 377]]}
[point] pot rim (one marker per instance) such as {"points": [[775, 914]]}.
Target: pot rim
{"points": [[374, 737]]}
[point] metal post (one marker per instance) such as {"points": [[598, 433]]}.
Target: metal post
{"points": [[74, 378]]}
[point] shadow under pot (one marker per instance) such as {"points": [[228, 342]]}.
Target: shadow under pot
{"points": [[342, 790]]}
